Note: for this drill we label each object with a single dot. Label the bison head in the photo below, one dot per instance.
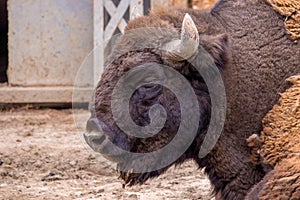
(152, 106)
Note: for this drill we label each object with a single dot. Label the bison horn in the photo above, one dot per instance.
(187, 46)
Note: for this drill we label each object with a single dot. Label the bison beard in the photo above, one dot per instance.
(254, 68)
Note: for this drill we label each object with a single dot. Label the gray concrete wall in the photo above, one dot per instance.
(48, 41)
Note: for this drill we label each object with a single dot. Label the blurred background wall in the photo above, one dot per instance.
(44, 42)
(48, 39)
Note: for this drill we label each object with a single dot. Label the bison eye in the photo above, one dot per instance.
(150, 91)
(141, 101)
(149, 85)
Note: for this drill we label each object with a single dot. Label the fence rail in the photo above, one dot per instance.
(111, 16)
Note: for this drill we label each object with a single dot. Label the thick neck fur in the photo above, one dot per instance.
(252, 86)
(260, 48)
(228, 166)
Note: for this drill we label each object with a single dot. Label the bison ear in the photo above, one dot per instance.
(218, 47)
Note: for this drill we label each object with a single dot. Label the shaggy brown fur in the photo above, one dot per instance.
(280, 148)
(263, 56)
(203, 4)
(283, 182)
(291, 10)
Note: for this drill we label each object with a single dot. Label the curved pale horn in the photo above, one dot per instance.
(188, 44)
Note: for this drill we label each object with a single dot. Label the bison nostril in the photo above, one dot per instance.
(101, 144)
(94, 140)
(98, 140)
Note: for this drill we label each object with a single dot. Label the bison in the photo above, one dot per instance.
(278, 147)
(246, 42)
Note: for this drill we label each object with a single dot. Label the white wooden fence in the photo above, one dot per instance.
(104, 30)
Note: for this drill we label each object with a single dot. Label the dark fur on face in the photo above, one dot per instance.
(146, 96)
(263, 56)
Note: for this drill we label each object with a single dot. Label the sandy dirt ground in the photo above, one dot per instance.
(42, 156)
